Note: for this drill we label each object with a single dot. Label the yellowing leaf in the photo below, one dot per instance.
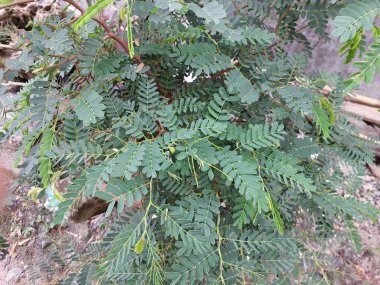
(57, 194)
(38, 70)
(122, 13)
(329, 109)
(45, 165)
(172, 149)
(139, 246)
(33, 192)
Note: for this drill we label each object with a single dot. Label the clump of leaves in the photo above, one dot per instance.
(195, 109)
(352, 23)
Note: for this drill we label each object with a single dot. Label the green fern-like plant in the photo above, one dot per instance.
(350, 26)
(203, 136)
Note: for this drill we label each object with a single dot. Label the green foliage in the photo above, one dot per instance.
(368, 66)
(356, 15)
(354, 235)
(203, 122)
(45, 168)
(285, 168)
(260, 136)
(123, 242)
(243, 172)
(74, 193)
(298, 99)
(127, 163)
(122, 193)
(237, 83)
(92, 11)
(322, 121)
(148, 97)
(210, 12)
(351, 24)
(89, 107)
(3, 247)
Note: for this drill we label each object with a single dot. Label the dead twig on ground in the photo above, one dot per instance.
(363, 100)
(12, 83)
(10, 47)
(354, 97)
(16, 3)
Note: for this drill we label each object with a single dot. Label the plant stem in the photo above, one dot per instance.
(220, 238)
(122, 42)
(282, 17)
(62, 62)
(11, 83)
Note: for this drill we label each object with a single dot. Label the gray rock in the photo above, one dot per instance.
(14, 274)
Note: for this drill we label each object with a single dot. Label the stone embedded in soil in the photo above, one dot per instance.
(14, 274)
(7, 173)
(375, 169)
(6, 178)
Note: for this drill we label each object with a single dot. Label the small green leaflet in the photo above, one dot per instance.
(211, 11)
(44, 161)
(121, 193)
(172, 5)
(321, 121)
(299, 99)
(127, 162)
(354, 234)
(273, 207)
(262, 135)
(89, 107)
(154, 159)
(24, 61)
(243, 172)
(284, 168)
(92, 11)
(139, 246)
(237, 83)
(368, 65)
(356, 15)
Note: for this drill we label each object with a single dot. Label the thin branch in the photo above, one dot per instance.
(72, 21)
(220, 73)
(11, 47)
(303, 27)
(12, 83)
(16, 3)
(161, 129)
(122, 42)
(280, 41)
(76, 5)
(282, 17)
(70, 58)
